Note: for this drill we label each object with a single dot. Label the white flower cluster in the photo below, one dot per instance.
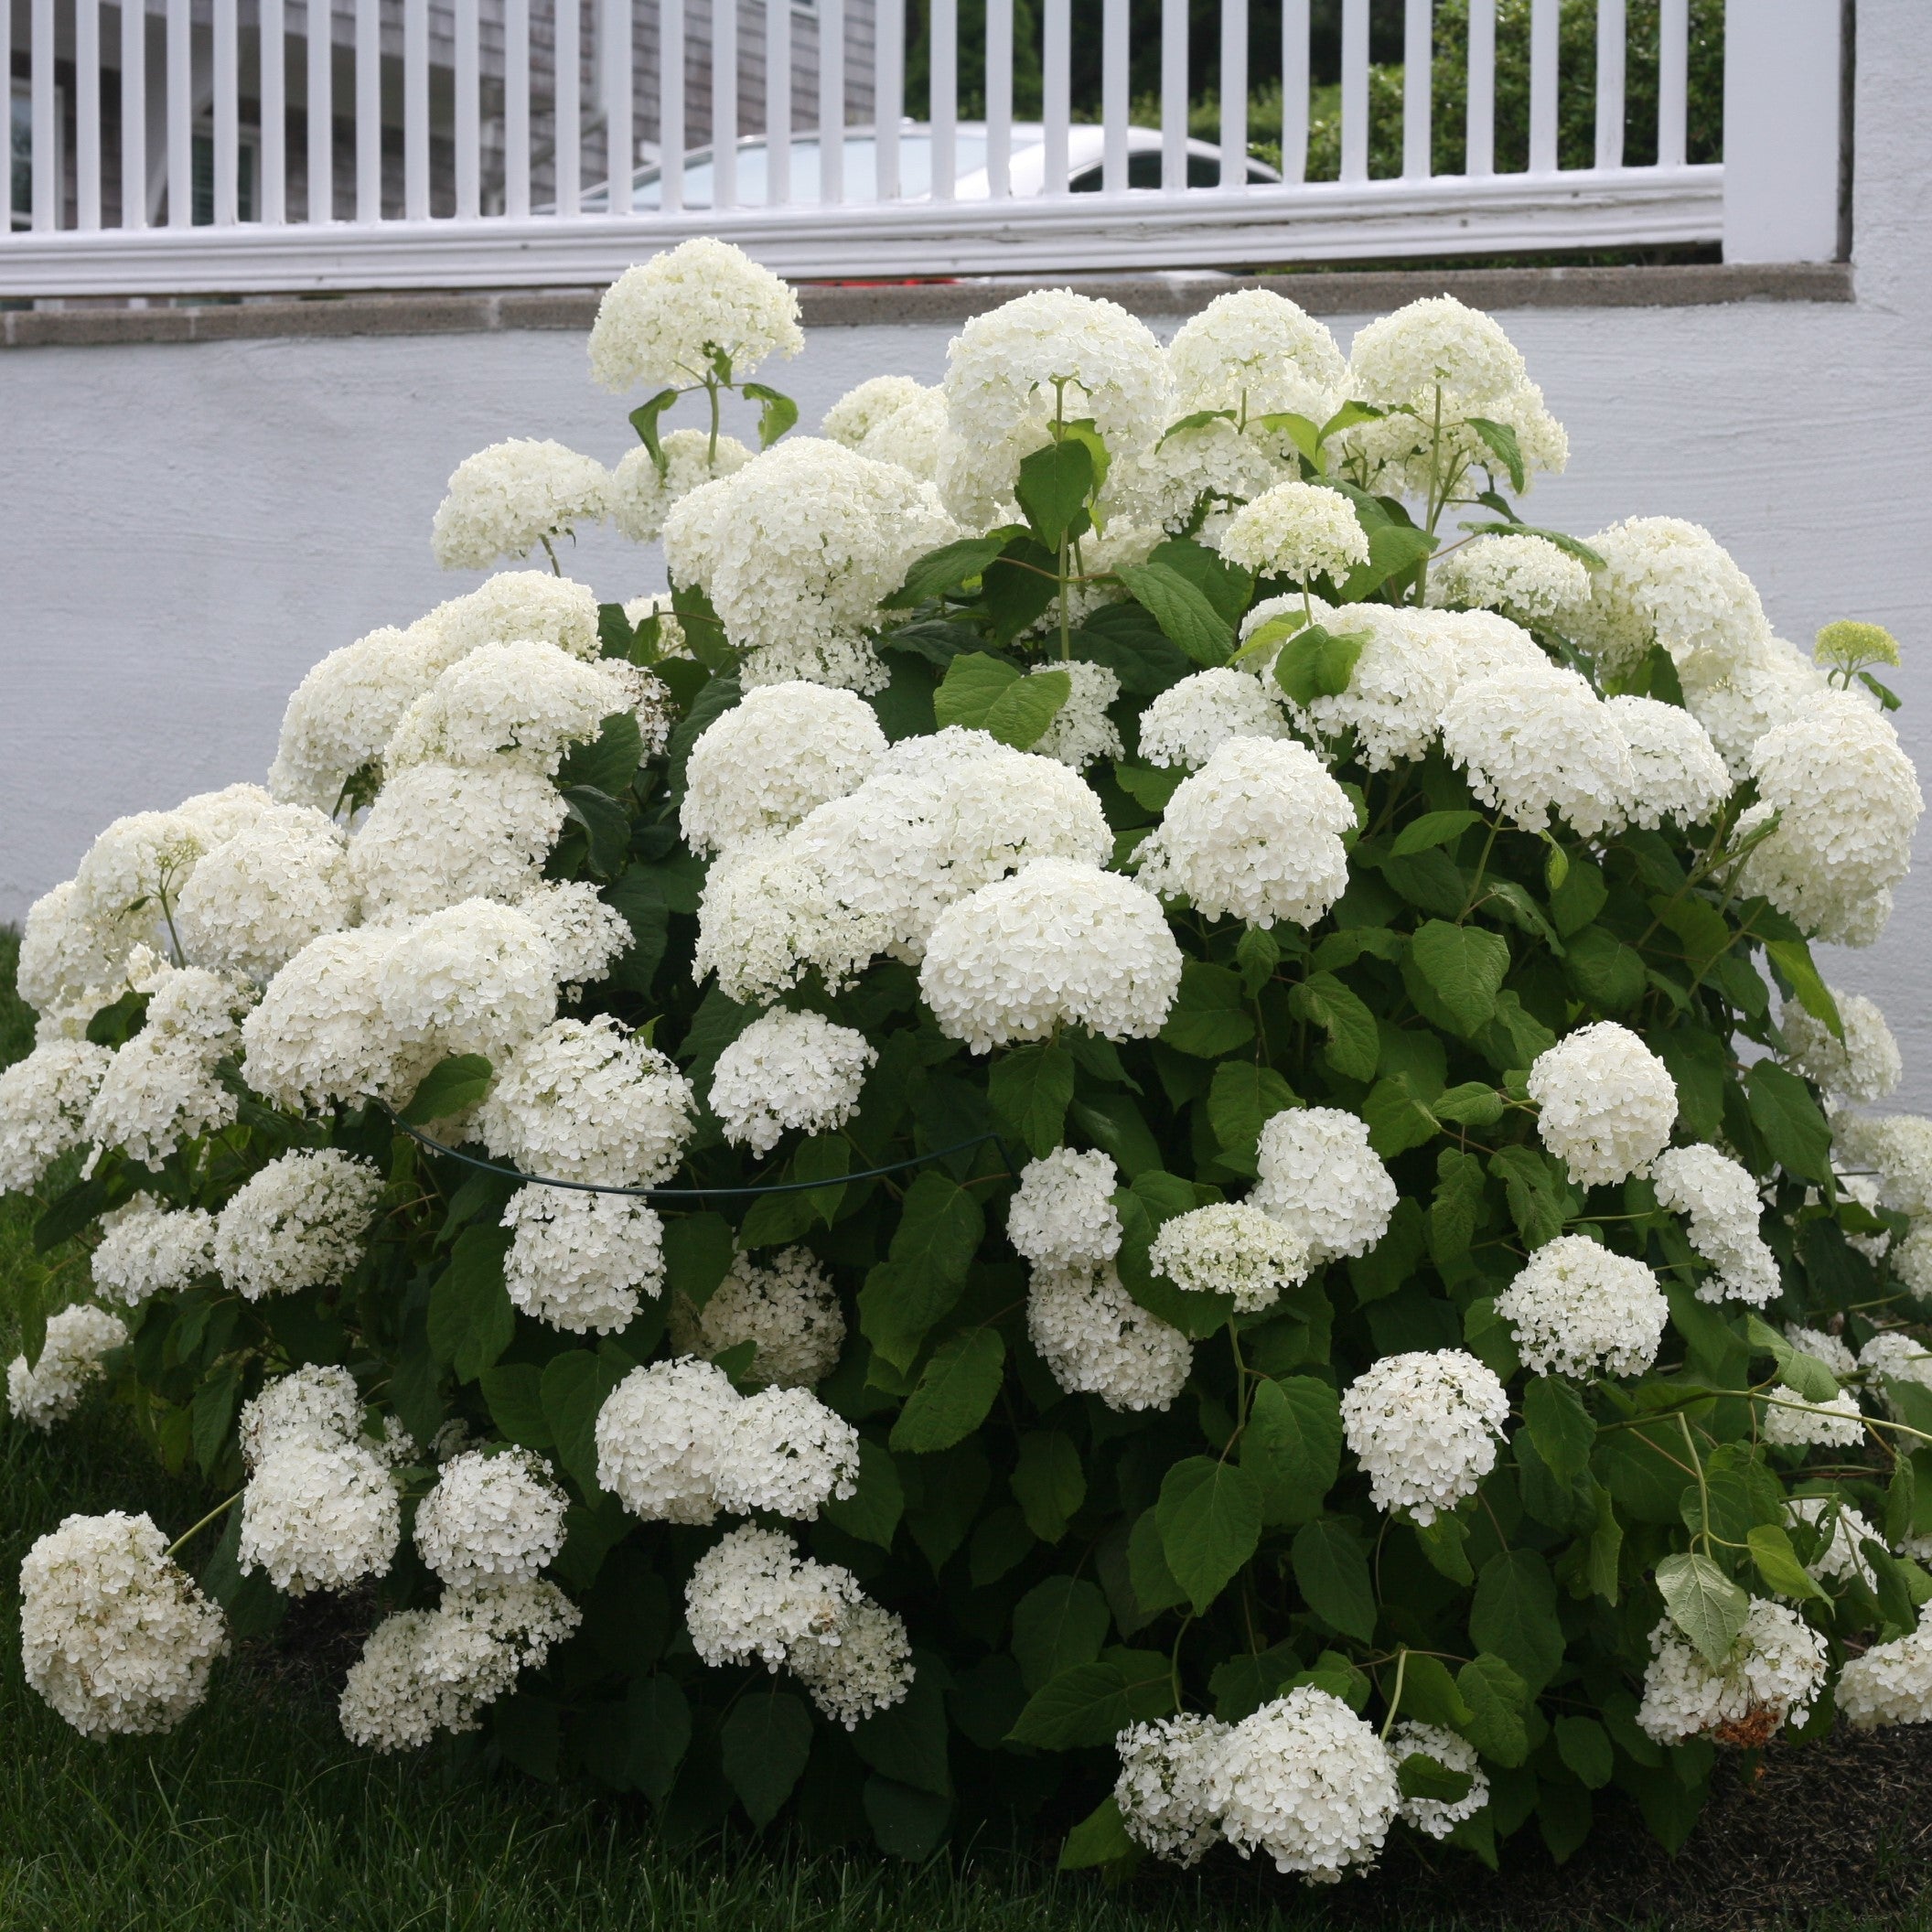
(1256, 833)
(1258, 354)
(1097, 1341)
(751, 1595)
(1161, 1790)
(1890, 1683)
(113, 1633)
(319, 1405)
(1424, 1427)
(1081, 730)
(492, 1519)
(1536, 742)
(676, 1442)
(1438, 1817)
(1607, 1102)
(1865, 1065)
(861, 410)
(1196, 478)
(1738, 700)
(1297, 531)
(301, 1222)
(787, 1308)
(1189, 722)
(1775, 1671)
(440, 834)
(1899, 1147)
(1062, 1212)
(257, 899)
(582, 1260)
(1676, 770)
(44, 1102)
(1721, 1201)
(1893, 1356)
(505, 499)
(1321, 1179)
(1843, 1554)
(145, 1249)
(70, 1361)
(1530, 579)
(1838, 1423)
(1670, 582)
(789, 1070)
(1574, 1308)
(1230, 1249)
(1396, 694)
(320, 1514)
(659, 323)
(642, 498)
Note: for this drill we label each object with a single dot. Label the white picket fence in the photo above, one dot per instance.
(168, 146)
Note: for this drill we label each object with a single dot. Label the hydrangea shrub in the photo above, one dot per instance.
(1131, 1118)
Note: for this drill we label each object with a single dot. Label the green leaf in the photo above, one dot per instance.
(1018, 586)
(1498, 1699)
(471, 1320)
(1153, 1582)
(766, 1741)
(515, 1392)
(1804, 1375)
(1396, 1118)
(576, 1384)
(1500, 440)
(214, 1410)
(1443, 1542)
(1433, 828)
(1099, 1838)
(644, 420)
(698, 1253)
(1091, 1704)
(1793, 960)
(1474, 1103)
(1053, 488)
(953, 1394)
(1514, 1615)
(1794, 1130)
(1032, 1087)
(605, 824)
(1421, 1775)
(1227, 587)
(1354, 1038)
(1394, 550)
(1584, 1745)
(1210, 1521)
(1429, 1694)
(907, 1823)
(1603, 971)
(1181, 609)
(1777, 1563)
(1453, 973)
(1703, 1603)
(609, 761)
(986, 694)
(1292, 1446)
(1558, 1425)
(452, 1086)
(1056, 1626)
(1317, 663)
(1048, 1483)
(777, 415)
(1537, 1199)
(1209, 1016)
(872, 1512)
(1331, 1567)
(1241, 1100)
(657, 1719)
(950, 567)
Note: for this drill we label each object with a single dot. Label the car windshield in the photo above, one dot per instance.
(860, 170)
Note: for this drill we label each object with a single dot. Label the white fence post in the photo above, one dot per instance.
(1781, 134)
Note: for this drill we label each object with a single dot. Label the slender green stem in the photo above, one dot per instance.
(711, 454)
(219, 1510)
(556, 569)
(1482, 866)
(1395, 1702)
(1703, 1487)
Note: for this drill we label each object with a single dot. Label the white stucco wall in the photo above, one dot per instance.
(186, 529)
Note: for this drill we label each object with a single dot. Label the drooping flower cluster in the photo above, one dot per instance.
(1424, 1427)
(44, 1103)
(505, 499)
(300, 1222)
(68, 1363)
(1321, 1179)
(1774, 1672)
(787, 1309)
(145, 1249)
(1890, 1683)
(1864, 1065)
(1722, 1202)
(582, 1260)
(660, 324)
(492, 1519)
(789, 1070)
(1576, 1308)
(1232, 1250)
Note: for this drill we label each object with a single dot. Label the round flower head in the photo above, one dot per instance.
(64, 959)
(1062, 1212)
(1230, 1249)
(1721, 1201)
(1438, 1817)
(70, 1361)
(1838, 1423)
(586, 935)
(522, 703)
(1895, 1356)
(317, 1034)
(258, 898)
(1899, 1147)
(1404, 356)
(1321, 1179)
(1398, 689)
(1775, 1670)
(1844, 1531)
(1081, 730)
(1538, 741)
(302, 1222)
(1912, 1263)
(1196, 478)
(1256, 833)
(789, 1070)
(1257, 353)
(440, 834)
(769, 914)
(1162, 1791)
(581, 1260)
(158, 1094)
(319, 1515)
(1675, 768)
(515, 606)
(505, 499)
(1574, 1308)
(1848, 803)
(1891, 1683)
(911, 436)
(1828, 1348)
(113, 1633)
(784, 1452)
(475, 977)
(135, 867)
(310, 1405)
(1608, 1102)
(782, 750)
(1737, 703)
(1096, 1340)
(661, 324)
(1865, 1065)
(1189, 722)
(1307, 1783)
(642, 498)
(44, 1103)
(787, 1308)
(585, 1100)
(491, 1518)
(1424, 1427)
(1527, 578)
(390, 1703)
(1297, 531)
(751, 1596)
(659, 1436)
(1057, 943)
(145, 1249)
(1485, 644)
(862, 1667)
(861, 410)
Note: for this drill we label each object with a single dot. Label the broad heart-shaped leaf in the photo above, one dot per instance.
(766, 1741)
(1032, 1087)
(1210, 1521)
(1433, 828)
(779, 413)
(1777, 1563)
(953, 1394)
(1225, 585)
(1048, 1483)
(1421, 1775)
(1453, 973)
(1182, 610)
(1429, 1693)
(1394, 550)
(657, 1719)
(1331, 1568)
(949, 567)
(1056, 1624)
(1053, 488)
(698, 1254)
(1703, 1603)
(1099, 1838)
(644, 420)
(1354, 1039)
(515, 1392)
(986, 694)
(1802, 1375)
(1091, 1704)
(1537, 1199)
(1497, 1699)
(940, 1226)
(1793, 960)
(1209, 1016)
(470, 1317)
(1317, 663)
(1558, 1425)
(609, 761)
(1514, 1615)
(1243, 1099)
(1584, 1745)
(1794, 1130)
(872, 1512)
(452, 1086)
(607, 827)
(1502, 444)
(1292, 1446)
(576, 1385)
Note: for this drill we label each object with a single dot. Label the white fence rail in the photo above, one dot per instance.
(171, 147)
